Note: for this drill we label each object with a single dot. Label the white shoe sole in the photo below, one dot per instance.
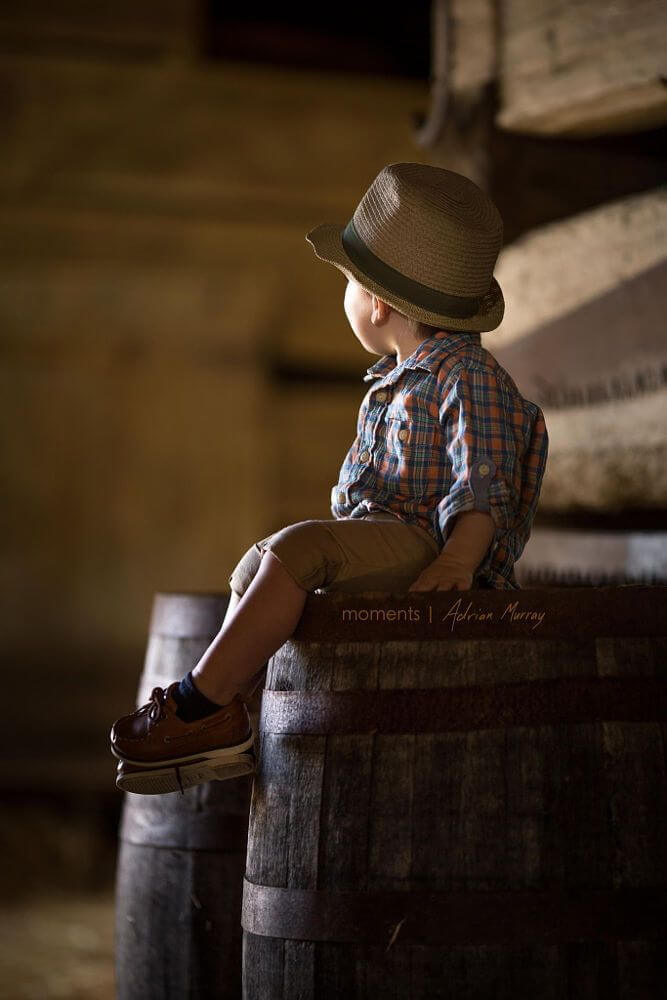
(219, 754)
(169, 778)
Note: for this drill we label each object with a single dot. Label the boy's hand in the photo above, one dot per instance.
(447, 572)
(454, 568)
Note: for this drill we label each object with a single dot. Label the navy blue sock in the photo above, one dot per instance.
(192, 704)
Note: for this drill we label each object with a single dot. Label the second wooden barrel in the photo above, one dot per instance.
(182, 856)
(463, 795)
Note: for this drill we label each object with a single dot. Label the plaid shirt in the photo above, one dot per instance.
(446, 431)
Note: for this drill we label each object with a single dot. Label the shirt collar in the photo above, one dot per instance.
(429, 355)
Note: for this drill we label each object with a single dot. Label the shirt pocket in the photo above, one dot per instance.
(413, 449)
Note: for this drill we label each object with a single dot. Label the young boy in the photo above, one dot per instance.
(438, 491)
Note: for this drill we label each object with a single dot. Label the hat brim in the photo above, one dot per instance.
(326, 241)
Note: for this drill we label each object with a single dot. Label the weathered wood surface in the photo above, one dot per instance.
(181, 857)
(600, 375)
(582, 68)
(586, 342)
(464, 50)
(609, 349)
(555, 269)
(578, 557)
(505, 859)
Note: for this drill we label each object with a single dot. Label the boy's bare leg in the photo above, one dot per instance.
(231, 606)
(251, 692)
(258, 624)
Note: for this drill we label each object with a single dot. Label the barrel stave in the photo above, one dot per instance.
(265, 961)
(640, 657)
(168, 659)
(285, 821)
(178, 926)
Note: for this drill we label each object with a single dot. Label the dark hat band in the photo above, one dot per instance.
(406, 288)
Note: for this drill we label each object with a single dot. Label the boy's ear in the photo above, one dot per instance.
(380, 311)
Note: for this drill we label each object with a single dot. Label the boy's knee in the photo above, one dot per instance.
(245, 570)
(309, 551)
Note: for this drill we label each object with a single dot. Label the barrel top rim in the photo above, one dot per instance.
(523, 591)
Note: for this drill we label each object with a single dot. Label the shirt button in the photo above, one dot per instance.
(403, 435)
(364, 456)
(381, 396)
(483, 470)
(341, 498)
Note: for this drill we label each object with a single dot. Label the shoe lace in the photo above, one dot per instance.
(155, 705)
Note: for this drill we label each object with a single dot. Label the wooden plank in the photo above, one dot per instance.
(568, 349)
(345, 805)
(588, 557)
(190, 897)
(269, 817)
(437, 853)
(459, 127)
(387, 973)
(583, 69)
(628, 475)
(555, 269)
(262, 967)
(298, 969)
(391, 818)
(459, 662)
(288, 788)
(484, 971)
(473, 45)
(339, 971)
(585, 357)
(635, 769)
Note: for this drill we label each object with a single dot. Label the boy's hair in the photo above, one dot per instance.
(418, 329)
(422, 330)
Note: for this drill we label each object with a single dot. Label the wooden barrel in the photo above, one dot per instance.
(462, 795)
(182, 856)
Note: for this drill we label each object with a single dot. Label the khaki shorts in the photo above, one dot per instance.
(374, 552)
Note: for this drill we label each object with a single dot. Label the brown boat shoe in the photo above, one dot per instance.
(159, 752)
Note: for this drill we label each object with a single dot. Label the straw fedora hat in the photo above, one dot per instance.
(425, 240)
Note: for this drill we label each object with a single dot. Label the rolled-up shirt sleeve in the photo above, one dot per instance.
(480, 418)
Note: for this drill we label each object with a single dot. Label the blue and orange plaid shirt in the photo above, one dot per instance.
(447, 431)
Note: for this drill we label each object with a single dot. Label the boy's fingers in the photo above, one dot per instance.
(423, 585)
(430, 580)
